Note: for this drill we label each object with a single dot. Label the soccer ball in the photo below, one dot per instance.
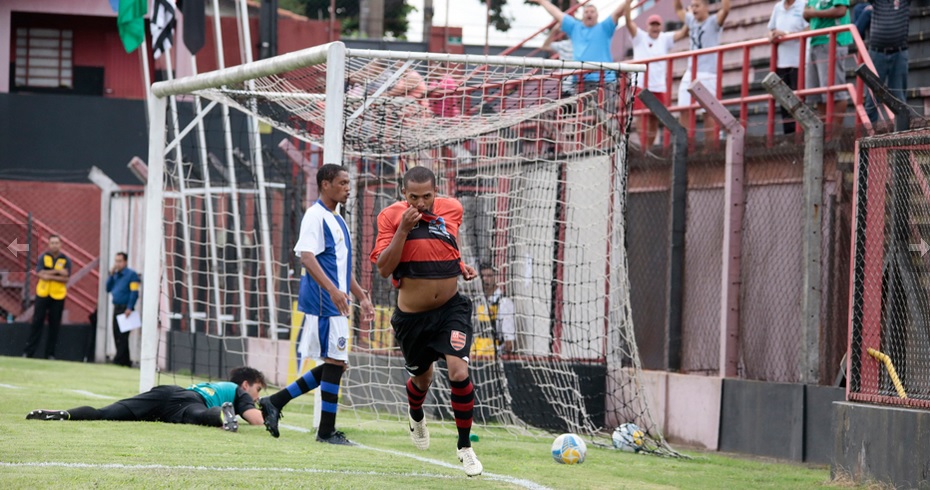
(569, 449)
(629, 437)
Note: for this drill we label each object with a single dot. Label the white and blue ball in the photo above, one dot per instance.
(629, 437)
(569, 449)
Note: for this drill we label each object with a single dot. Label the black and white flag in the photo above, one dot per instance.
(162, 26)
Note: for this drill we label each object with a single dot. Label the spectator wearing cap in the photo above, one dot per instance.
(652, 43)
(787, 18)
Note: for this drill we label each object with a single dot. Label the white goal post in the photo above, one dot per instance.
(534, 148)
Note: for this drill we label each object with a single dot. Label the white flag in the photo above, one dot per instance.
(163, 22)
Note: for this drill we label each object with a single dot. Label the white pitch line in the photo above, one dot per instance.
(9, 387)
(119, 466)
(92, 395)
(531, 485)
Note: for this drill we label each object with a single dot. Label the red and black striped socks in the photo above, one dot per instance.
(463, 407)
(415, 398)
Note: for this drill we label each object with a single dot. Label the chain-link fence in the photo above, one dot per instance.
(770, 264)
(29, 216)
(890, 328)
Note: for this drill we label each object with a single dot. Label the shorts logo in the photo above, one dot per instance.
(457, 339)
(341, 343)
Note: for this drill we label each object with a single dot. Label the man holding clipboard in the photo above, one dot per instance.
(123, 284)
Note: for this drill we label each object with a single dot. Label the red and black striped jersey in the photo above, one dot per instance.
(431, 250)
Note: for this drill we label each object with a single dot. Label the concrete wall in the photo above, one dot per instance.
(881, 443)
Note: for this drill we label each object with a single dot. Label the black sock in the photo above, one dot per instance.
(85, 413)
(308, 382)
(415, 397)
(329, 393)
(463, 407)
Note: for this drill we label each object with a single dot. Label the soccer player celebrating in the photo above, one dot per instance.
(417, 245)
(325, 251)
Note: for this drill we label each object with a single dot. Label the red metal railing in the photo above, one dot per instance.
(744, 100)
(80, 258)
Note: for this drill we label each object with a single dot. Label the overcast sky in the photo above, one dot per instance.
(470, 16)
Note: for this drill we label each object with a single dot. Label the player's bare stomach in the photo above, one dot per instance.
(417, 295)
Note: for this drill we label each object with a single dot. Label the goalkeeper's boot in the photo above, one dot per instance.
(336, 437)
(271, 414)
(470, 461)
(419, 434)
(228, 414)
(48, 415)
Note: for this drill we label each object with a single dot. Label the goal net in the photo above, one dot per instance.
(534, 149)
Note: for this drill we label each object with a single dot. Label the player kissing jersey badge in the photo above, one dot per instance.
(457, 339)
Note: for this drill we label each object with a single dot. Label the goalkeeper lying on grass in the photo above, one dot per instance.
(212, 404)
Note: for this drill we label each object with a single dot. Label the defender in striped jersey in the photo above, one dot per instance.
(325, 251)
(417, 245)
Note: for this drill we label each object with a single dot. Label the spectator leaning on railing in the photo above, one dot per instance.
(823, 14)
(888, 32)
(787, 18)
(704, 30)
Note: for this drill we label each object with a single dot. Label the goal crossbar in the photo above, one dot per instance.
(319, 54)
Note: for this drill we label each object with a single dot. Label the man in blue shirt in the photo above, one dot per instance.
(325, 251)
(214, 404)
(123, 284)
(590, 38)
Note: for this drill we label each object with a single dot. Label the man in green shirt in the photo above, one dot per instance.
(213, 404)
(822, 14)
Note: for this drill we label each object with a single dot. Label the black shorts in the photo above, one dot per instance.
(426, 336)
(164, 403)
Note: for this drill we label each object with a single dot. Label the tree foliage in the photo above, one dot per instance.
(347, 11)
(502, 22)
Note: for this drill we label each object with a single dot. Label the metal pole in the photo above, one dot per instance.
(264, 214)
(487, 25)
(427, 21)
(809, 363)
(902, 111)
(182, 186)
(154, 238)
(677, 226)
(734, 204)
(107, 188)
(26, 290)
(222, 316)
(332, 20)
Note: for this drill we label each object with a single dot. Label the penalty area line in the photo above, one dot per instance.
(520, 482)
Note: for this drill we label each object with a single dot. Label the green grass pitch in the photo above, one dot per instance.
(61, 454)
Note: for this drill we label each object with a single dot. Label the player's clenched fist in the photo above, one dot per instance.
(409, 219)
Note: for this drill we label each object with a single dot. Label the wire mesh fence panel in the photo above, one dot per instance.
(700, 331)
(889, 340)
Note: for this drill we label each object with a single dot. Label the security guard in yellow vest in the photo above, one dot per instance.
(53, 270)
(497, 310)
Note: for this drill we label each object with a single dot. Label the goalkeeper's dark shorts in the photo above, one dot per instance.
(426, 336)
(165, 403)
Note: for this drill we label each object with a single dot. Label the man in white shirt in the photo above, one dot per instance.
(787, 18)
(652, 43)
(704, 30)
